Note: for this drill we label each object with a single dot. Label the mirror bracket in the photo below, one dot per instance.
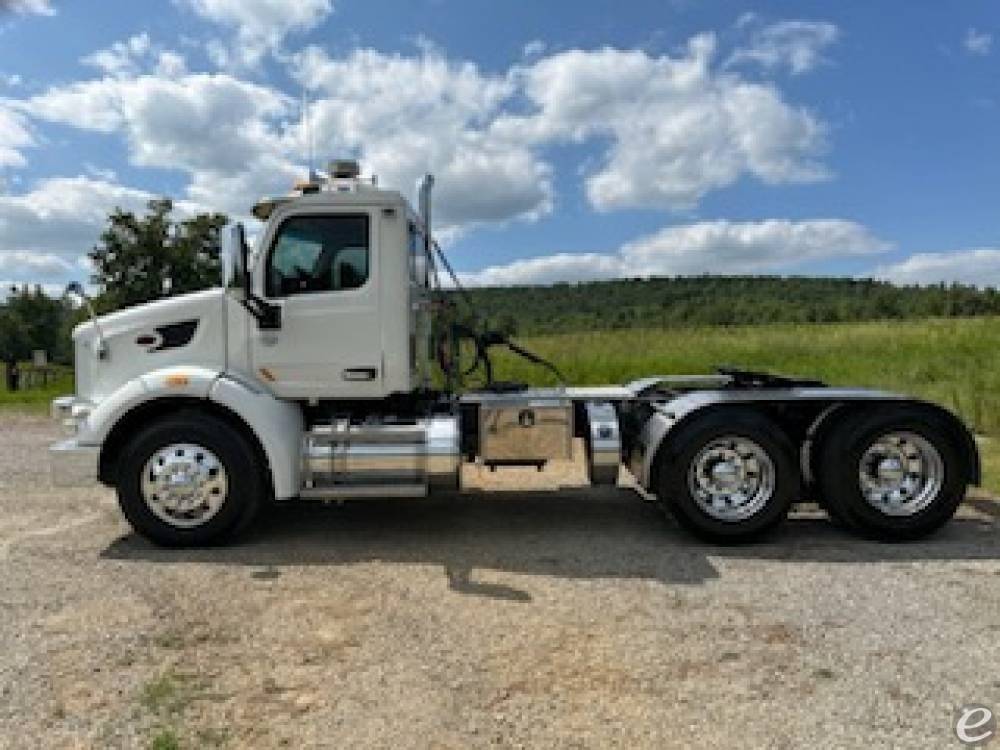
(268, 316)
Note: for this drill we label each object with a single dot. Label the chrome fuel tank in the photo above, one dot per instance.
(423, 453)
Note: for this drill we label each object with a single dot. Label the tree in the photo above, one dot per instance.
(140, 259)
(31, 320)
(14, 346)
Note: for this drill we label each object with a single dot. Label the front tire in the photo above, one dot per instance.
(189, 479)
(893, 474)
(729, 476)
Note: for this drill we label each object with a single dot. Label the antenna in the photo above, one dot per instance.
(307, 131)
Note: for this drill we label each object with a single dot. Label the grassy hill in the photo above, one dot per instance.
(721, 300)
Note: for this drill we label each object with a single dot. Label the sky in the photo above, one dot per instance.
(570, 140)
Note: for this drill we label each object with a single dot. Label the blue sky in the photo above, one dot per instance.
(571, 140)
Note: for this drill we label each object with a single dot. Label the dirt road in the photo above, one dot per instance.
(579, 619)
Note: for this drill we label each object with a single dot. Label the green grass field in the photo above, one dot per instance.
(953, 362)
(35, 399)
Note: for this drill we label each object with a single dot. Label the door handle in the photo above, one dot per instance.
(359, 373)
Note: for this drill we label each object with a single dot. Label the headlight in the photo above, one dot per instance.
(62, 407)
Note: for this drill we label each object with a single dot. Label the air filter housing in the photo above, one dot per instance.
(344, 169)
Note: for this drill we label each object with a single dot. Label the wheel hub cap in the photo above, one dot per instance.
(732, 478)
(184, 484)
(891, 470)
(726, 474)
(901, 473)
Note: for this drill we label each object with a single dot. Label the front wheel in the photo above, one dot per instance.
(188, 480)
(893, 474)
(730, 476)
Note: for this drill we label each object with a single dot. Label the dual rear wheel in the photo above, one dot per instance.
(892, 473)
(896, 473)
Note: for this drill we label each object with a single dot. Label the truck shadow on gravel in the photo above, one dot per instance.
(571, 534)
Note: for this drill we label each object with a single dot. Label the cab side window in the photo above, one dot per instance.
(319, 254)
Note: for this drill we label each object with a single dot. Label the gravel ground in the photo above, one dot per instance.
(521, 619)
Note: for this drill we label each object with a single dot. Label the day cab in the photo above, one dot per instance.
(322, 367)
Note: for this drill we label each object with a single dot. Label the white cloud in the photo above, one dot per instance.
(408, 115)
(679, 129)
(235, 191)
(261, 25)
(44, 231)
(796, 45)
(33, 264)
(11, 80)
(979, 267)
(219, 54)
(195, 121)
(87, 105)
(121, 58)
(170, 64)
(978, 42)
(747, 247)
(37, 7)
(14, 137)
(534, 48)
(547, 269)
(707, 247)
(137, 54)
(217, 128)
(103, 174)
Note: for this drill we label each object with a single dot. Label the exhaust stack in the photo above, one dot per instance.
(424, 198)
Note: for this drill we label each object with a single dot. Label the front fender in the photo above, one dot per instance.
(277, 425)
(169, 382)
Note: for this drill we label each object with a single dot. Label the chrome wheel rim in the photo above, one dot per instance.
(184, 484)
(732, 478)
(901, 473)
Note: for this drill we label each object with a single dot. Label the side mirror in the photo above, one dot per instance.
(233, 249)
(236, 275)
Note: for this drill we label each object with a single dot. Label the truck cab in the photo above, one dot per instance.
(343, 273)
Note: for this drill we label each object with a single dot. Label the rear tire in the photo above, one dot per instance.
(893, 474)
(729, 476)
(189, 479)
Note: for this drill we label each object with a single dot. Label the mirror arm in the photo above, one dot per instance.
(76, 289)
(268, 316)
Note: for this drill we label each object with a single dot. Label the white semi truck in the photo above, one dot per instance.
(328, 365)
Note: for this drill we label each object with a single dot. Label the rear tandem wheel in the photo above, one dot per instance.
(895, 473)
(729, 476)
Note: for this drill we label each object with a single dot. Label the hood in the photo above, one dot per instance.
(163, 310)
(188, 329)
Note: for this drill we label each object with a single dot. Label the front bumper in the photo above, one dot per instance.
(72, 464)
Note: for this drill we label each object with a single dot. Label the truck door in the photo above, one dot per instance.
(322, 270)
